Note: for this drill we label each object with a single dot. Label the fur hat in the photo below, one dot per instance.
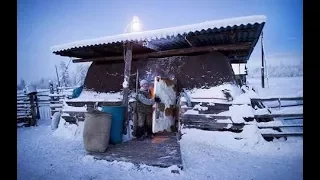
(143, 81)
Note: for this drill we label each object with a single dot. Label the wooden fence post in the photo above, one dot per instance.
(33, 121)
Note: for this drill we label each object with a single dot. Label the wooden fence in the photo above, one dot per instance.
(262, 103)
(39, 105)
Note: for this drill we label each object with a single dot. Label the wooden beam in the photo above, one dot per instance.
(281, 134)
(277, 115)
(276, 99)
(173, 52)
(202, 118)
(127, 72)
(280, 126)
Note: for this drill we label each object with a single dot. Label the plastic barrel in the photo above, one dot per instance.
(116, 131)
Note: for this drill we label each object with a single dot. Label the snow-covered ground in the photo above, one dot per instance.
(279, 87)
(44, 154)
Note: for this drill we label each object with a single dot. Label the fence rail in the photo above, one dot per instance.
(40, 105)
(295, 127)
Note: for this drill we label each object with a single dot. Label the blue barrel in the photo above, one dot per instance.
(116, 130)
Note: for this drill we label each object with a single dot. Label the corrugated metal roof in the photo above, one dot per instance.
(219, 32)
(164, 33)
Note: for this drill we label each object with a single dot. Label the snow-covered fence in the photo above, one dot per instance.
(23, 108)
(286, 120)
(44, 105)
(44, 102)
(39, 106)
(56, 100)
(279, 100)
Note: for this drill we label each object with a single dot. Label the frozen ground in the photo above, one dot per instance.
(43, 154)
(206, 155)
(283, 86)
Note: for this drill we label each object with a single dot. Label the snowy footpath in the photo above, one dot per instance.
(44, 154)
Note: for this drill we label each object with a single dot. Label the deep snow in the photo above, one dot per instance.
(46, 154)
(43, 154)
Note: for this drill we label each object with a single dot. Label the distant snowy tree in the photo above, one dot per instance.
(43, 83)
(21, 85)
(81, 73)
(73, 79)
(64, 74)
(278, 71)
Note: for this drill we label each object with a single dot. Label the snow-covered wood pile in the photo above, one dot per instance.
(212, 109)
(73, 109)
(276, 116)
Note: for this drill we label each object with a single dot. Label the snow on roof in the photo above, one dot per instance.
(162, 33)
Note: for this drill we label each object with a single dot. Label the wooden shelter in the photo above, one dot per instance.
(196, 55)
(233, 38)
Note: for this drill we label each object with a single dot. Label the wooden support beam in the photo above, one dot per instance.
(280, 126)
(276, 99)
(281, 134)
(214, 125)
(277, 115)
(173, 52)
(202, 118)
(127, 72)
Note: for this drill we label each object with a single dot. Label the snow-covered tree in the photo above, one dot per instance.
(279, 71)
(73, 79)
(81, 73)
(43, 83)
(21, 85)
(64, 74)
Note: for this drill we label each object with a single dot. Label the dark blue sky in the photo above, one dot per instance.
(42, 24)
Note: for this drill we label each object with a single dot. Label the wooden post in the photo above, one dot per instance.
(279, 103)
(57, 76)
(127, 72)
(262, 61)
(51, 89)
(33, 120)
(37, 106)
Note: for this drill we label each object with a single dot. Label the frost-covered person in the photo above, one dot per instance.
(144, 110)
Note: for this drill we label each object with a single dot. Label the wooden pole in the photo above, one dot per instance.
(137, 82)
(262, 61)
(127, 72)
(33, 121)
(37, 105)
(57, 76)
